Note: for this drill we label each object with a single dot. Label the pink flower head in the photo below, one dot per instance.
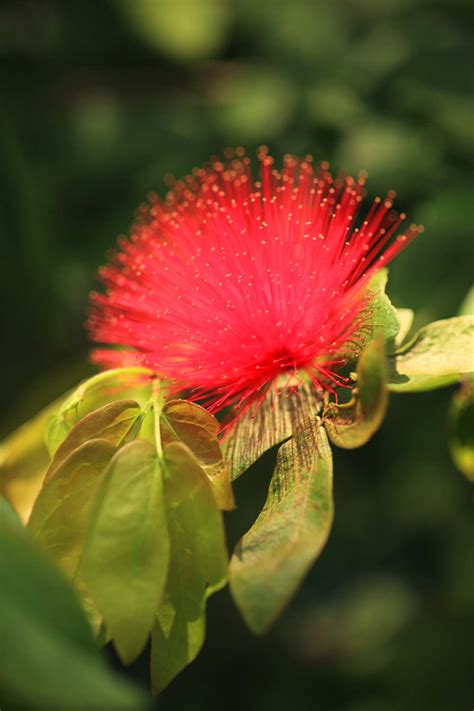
(232, 284)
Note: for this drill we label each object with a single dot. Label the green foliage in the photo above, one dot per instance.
(142, 553)
(124, 560)
(49, 658)
(183, 421)
(25, 454)
(436, 356)
(353, 424)
(382, 318)
(272, 558)
(115, 423)
(94, 393)
(24, 458)
(405, 316)
(198, 564)
(61, 513)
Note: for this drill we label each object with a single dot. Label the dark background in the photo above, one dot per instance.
(99, 101)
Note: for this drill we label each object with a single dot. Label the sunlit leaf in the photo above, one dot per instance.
(436, 356)
(353, 424)
(61, 512)
(405, 316)
(183, 421)
(461, 426)
(198, 565)
(24, 459)
(103, 388)
(125, 558)
(116, 422)
(273, 557)
(382, 317)
(49, 659)
(56, 432)
(24, 455)
(263, 426)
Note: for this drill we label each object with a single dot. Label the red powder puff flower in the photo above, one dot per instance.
(230, 282)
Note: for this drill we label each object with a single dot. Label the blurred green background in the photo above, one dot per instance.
(99, 101)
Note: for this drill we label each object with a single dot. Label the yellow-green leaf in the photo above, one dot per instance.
(273, 557)
(61, 512)
(101, 389)
(183, 421)
(25, 454)
(116, 422)
(405, 316)
(198, 564)
(125, 558)
(24, 459)
(263, 426)
(382, 317)
(436, 356)
(351, 425)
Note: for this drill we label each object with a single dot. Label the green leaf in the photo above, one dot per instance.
(183, 421)
(56, 432)
(382, 316)
(25, 454)
(273, 557)
(198, 565)
(261, 427)
(352, 425)
(24, 459)
(116, 423)
(125, 558)
(436, 356)
(49, 659)
(405, 316)
(461, 427)
(61, 512)
(101, 389)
